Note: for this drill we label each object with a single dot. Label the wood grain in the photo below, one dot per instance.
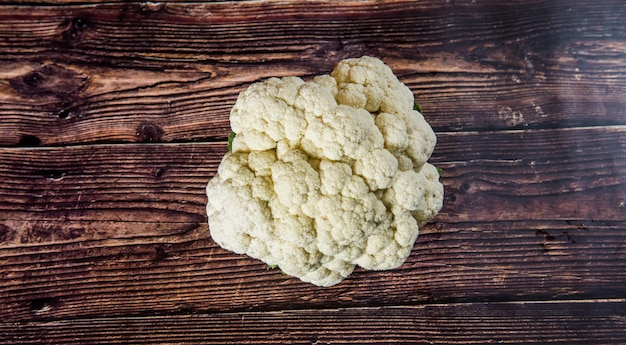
(120, 230)
(494, 66)
(188, 273)
(113, 117)
(474, 323)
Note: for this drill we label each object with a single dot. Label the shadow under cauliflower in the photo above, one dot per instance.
(326, 175)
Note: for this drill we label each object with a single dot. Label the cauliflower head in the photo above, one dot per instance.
(327, 174)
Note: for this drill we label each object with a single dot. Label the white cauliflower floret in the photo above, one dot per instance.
(274, 98)
(326, 175)
(378, 168)
(370, 84)
(341, 133)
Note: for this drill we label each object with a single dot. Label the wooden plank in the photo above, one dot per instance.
(566, 322)
(539, 175)
(82, 182)
(188, 273)
(148, 72)
(120, 230)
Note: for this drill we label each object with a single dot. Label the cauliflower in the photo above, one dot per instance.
(327, 174)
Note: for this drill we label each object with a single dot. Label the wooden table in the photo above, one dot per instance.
(113, 117)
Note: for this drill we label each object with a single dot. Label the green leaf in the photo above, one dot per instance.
(439, 170)
(231, 136)
(417, 107)
(272, 267)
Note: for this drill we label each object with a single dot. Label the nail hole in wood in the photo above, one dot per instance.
(42, 305)
(28, 140)
(64, 114)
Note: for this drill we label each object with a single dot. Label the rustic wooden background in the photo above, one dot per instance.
(113, 117)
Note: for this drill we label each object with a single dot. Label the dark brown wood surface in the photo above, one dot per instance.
(114, 116)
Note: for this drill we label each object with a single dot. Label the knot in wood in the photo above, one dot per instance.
(149, 132)
(50, 80)
(73, 29)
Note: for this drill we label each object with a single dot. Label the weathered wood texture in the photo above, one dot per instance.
(135, 72)
(113, 117)
(496, 323)
(93, 213)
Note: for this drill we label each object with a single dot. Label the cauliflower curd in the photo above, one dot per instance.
(327, 174)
